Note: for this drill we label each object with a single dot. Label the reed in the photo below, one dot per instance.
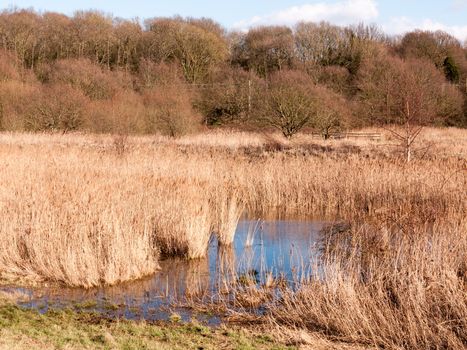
(63, 221)
(252, 231)
(87, 210)
(228, 207)
(383, 288)
(183, 220)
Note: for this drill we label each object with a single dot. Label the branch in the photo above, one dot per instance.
(399, 136)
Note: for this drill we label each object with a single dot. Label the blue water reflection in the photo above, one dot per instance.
(283, 249)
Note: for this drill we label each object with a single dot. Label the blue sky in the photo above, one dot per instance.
(394, 16)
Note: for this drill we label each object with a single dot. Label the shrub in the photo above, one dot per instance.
(331, 111)
(57, 107)
(151, 74)
(13, 95)
(230, 98)
(8, 70)
(169, 111)
(124, 113)
(85, 76)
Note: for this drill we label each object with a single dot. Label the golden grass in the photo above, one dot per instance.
(386, 289)
(87, 209)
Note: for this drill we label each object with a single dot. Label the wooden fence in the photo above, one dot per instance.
(350, 135)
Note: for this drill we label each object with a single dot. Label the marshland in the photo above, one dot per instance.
(83, 213)
(172, 184)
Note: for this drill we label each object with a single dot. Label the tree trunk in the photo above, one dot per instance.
(408, 150)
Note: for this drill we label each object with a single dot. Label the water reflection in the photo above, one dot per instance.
(261, 251)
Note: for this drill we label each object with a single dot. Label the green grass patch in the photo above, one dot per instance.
(27, 329)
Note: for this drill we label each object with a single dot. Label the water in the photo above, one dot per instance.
(279, 249)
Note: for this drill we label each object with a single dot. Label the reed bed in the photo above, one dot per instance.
(385, 289)
(229, 206)
(375, 285)
(88, 210)
(183, 222)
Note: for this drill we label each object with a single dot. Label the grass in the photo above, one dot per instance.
(84, 210)
(386, 288)
(25, 329)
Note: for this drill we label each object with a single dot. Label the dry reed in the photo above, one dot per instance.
(85, 210)
(228, 207)
(384, 288)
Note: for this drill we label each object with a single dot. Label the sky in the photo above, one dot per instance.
(393, 16)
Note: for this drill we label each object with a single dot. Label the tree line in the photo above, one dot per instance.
(95, 72)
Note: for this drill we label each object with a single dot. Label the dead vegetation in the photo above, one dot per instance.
(384, 288)
(86, 210)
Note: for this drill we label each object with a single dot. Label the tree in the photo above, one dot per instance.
(451, 70)
(196, 49)
(442, 49)
(289, 102)
(328, 45)
(321, 43)
(152, 74)
(331, 111)
(93, 35)
(423, 44)
(265, 50)
(128, 38)
(208, 25)
(56, 36)
(19, 33)
(407, 94)
(336, 78)
(8, 69)
(231, 97)
(376, 84)
(449, 106)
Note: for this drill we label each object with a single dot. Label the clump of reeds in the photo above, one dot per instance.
(183, 221)
(252, 231)
(66, 223)
(384, 288)
(227, 209)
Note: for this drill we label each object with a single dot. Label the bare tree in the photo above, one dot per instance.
(406, 94)
(128, 40)
(56, 36)
(196, 49)
(265, 50)
(331, 111)
(19, 31)
(95, 36)
(289, 103)
(321, 43)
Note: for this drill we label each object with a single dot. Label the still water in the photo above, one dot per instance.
(284, 249)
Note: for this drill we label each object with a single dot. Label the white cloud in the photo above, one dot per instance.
(345, 12)
(342, 13)
(401, 25)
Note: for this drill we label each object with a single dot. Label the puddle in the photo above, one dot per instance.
(282, 249)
